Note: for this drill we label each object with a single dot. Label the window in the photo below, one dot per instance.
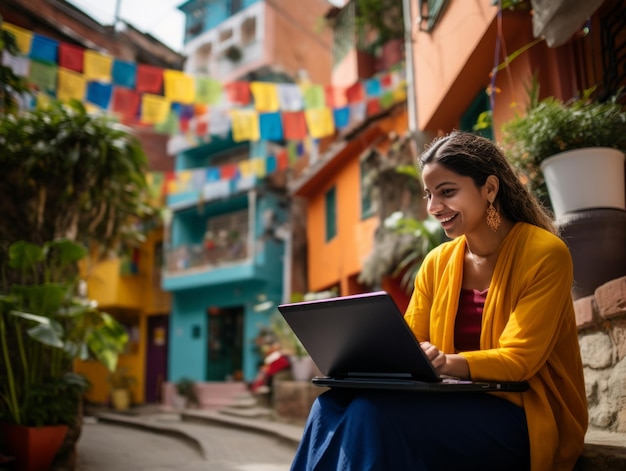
(331, 214)
(429, 12)
(367, 209)
(478, 107)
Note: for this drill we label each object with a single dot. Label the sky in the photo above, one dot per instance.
(161, 18)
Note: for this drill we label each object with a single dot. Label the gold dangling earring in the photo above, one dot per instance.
(493, 217)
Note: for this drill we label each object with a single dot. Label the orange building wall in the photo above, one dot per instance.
(340, 260)
(335, 261)
(453, 64)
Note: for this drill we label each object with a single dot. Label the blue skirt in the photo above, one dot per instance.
(361, 430)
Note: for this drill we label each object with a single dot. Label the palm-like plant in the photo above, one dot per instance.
(68, 173)
(44, 326)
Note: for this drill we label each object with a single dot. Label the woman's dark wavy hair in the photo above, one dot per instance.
(473, 156)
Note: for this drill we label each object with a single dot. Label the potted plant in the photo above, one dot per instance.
(574, 150)
(186, 391)
(44, 326)
(121, 384)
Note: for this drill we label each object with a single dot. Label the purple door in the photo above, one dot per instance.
(156, 357)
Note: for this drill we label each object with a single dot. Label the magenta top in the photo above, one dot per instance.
(468, 320)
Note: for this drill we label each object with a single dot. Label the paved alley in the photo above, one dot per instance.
(112, 447)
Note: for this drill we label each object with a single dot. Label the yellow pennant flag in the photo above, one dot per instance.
(265, 96)
(245, 125)
(258, 167)
(71, 85)
(320, 122)
(179, 87)
(97, 67)
(183, 178)
(154, 109)
(23, 37)
(245, 168)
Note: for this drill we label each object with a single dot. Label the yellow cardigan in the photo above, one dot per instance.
(528, 333)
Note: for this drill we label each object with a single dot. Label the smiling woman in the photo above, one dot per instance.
(491, 304)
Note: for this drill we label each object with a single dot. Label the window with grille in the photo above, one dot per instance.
(331, 214)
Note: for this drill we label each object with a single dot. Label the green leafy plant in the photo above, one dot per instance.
(75, 175)
(550, 126)
(185, 388)
(426, 235)
(44, 326)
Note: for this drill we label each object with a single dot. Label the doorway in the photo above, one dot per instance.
(225, 343)
(156, 358)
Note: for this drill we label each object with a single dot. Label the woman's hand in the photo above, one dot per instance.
(446, 364)
(436, 356)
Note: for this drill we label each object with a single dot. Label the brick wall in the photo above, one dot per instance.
(601, 320)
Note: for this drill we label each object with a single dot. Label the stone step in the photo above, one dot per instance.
(247, 413)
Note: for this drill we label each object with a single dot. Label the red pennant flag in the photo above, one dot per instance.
(355, 93)
(294, 125)
(228, 171)
(125, 102)
(385, 81)
(282, 159)
(238, 93)
(149, 79)
(335, 97)
(71, 57)
(373, 106)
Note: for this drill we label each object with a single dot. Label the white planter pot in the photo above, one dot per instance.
(301, 368)
(585, 178)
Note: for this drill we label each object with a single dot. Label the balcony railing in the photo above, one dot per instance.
(226, 241)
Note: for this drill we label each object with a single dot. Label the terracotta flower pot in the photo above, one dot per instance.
(34, 448)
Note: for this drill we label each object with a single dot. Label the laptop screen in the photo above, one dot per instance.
(363, 335)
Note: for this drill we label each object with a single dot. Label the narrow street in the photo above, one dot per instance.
(109, 447)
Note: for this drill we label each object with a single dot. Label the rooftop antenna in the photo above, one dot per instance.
(116, 19)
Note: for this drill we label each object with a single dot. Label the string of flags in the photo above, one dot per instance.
(193, 108)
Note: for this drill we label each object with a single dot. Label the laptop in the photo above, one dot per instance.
(363, 341)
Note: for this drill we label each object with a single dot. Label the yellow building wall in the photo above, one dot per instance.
(130, 299)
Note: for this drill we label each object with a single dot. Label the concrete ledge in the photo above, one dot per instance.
(153, 425)
(604, 451)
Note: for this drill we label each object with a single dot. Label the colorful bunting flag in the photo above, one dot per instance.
(208, 91)
(294, 125)
(179, 87)
(71, 86)
(290, 97)
(97, 66)
(314, 97)
(149, 79)
(319, 122)
(265, 96)
(23, 37)
(71, 57)
(43, 75)
(99, 94)
(43, 49)
(245, 125)
(124, 73)
(154, 109)
(271, 126)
